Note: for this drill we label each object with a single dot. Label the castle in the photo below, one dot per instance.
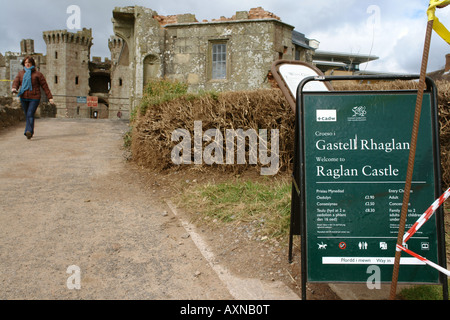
(226, 54)
(72, 75)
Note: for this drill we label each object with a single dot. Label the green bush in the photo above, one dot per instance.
(159, 91)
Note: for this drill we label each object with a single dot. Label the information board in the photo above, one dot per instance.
(355, 156)
(92, 101)
(288, 75)
(293, 74)
(81, 99)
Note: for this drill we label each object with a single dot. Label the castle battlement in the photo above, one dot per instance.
(115, 42)
(83, 37)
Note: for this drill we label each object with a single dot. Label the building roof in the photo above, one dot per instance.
(342, 57)
(300, 40)
(327, 60)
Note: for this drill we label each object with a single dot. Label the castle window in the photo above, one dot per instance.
(219, 61)
(76, 80)
(120, 82)
(56, 54)
(56, 79)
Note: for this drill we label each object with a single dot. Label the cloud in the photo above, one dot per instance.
(397, 37)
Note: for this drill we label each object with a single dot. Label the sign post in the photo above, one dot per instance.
(288, 75)
(349, 176)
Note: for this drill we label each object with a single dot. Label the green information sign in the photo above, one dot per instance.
(355, 160)
(350, 166)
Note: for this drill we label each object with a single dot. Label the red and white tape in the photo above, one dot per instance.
(430, 263)
(419, 223)
(426, 215)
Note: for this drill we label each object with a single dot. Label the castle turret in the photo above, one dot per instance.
(120, 78)
(27, 47)
(67, 69)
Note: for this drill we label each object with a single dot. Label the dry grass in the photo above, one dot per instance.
(260, 109)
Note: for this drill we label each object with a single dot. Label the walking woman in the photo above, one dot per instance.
(30, 82)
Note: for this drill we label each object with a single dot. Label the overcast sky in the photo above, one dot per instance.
(393, 30)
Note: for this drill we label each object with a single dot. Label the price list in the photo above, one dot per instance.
(334, 216)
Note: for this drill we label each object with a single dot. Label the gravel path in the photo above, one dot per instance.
(68, 198)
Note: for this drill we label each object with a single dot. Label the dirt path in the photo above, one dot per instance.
(71, 202)
(68, 198)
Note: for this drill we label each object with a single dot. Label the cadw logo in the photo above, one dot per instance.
(328, 115)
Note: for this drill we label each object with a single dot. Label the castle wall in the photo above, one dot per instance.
(226, 54)
(11, 64)
(251, 47)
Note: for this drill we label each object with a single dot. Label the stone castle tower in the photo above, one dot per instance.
(120, 70)
(67, 69)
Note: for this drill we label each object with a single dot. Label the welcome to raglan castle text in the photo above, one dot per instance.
(326, 142)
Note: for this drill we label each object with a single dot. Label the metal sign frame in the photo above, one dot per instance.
(298, 224)
(287, 85)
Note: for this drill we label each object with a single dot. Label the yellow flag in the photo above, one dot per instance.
(437, 25)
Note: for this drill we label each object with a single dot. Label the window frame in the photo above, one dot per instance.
(212, 72)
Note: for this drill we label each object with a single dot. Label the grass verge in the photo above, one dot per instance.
(264, 205)
(422, 292)
(430, 292)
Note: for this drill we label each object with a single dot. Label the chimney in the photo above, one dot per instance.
(447, 62)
